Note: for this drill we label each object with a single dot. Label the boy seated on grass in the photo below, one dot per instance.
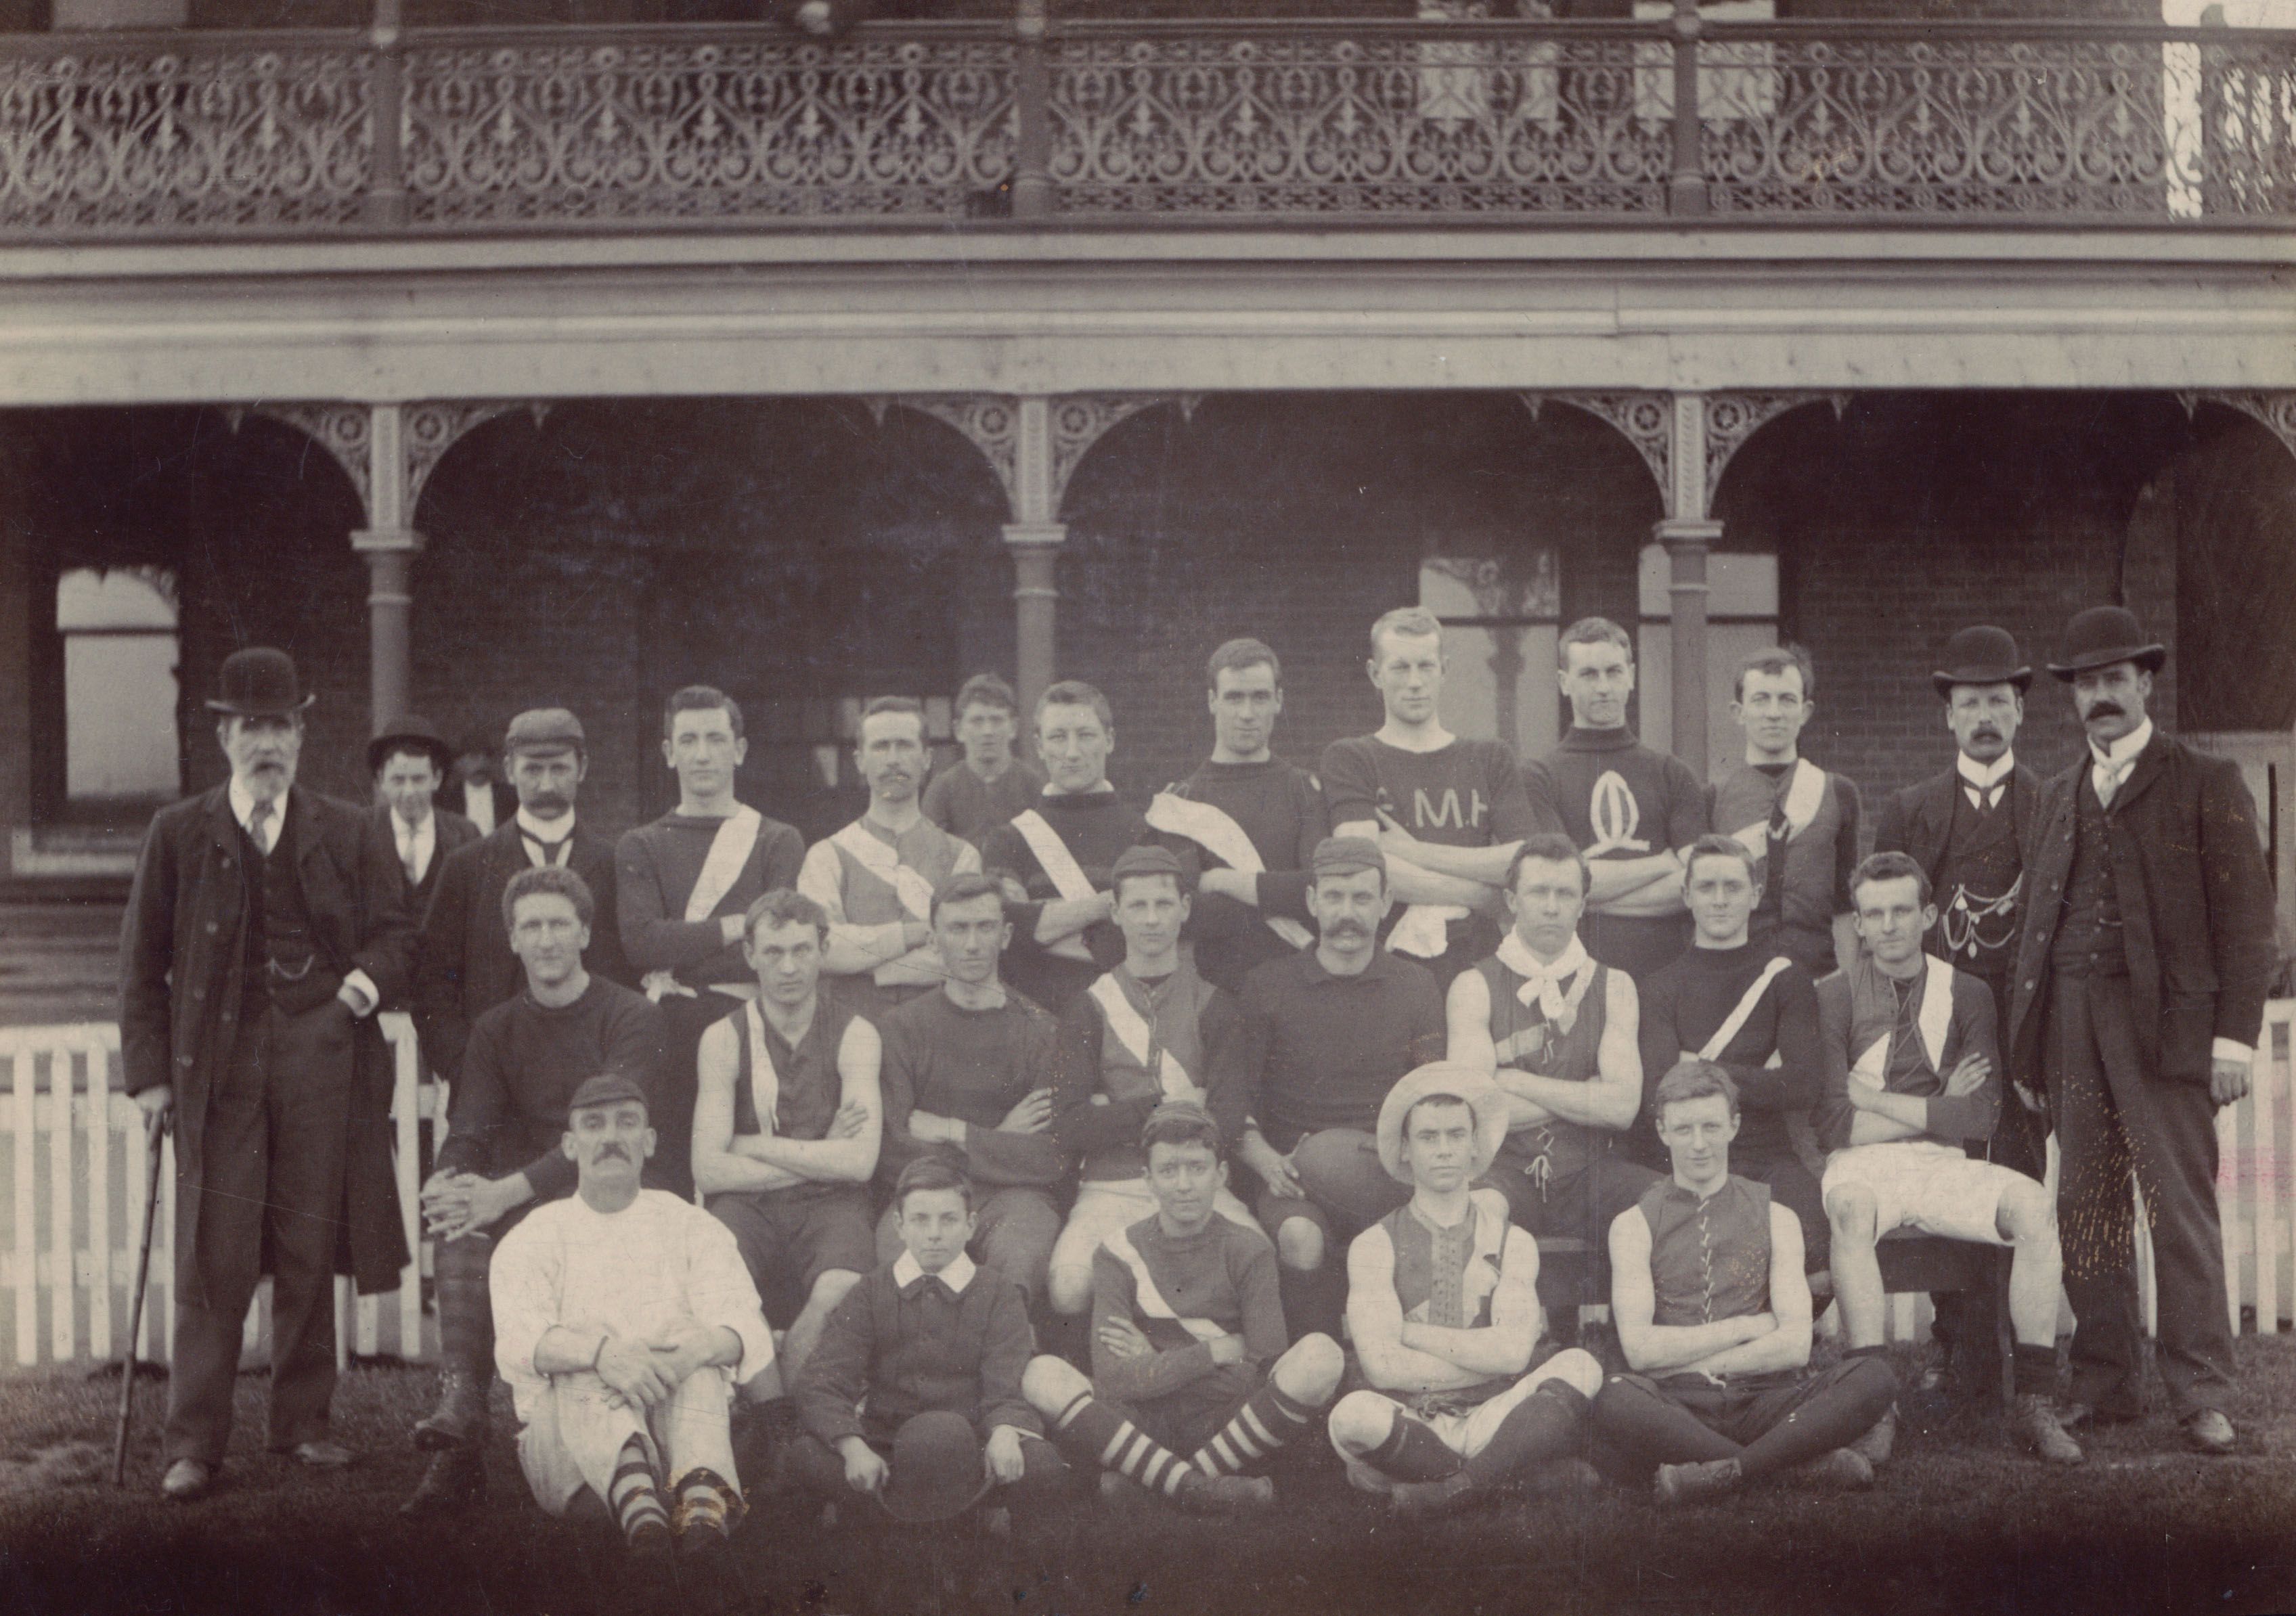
(921, 1362)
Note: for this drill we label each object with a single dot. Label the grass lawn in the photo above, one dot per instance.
(1959, 1524)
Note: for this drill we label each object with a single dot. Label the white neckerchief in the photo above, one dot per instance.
(1984, 782)
(415, 843)
(957, 1276)
(242, 809)
(1545, 983)
(2109, 765)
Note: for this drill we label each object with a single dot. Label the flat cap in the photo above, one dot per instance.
(1344, 856)
(543, 727)
(606, 1089)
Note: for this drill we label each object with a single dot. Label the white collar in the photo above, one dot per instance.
(957, 1276)
(2124, 749)
(243, 803)
(1985, 776)
(399, 827)
(541, 830)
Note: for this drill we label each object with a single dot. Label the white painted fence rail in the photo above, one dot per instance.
(71, 1202)
(73, 1167)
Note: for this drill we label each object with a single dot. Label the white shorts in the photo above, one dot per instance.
(578, 1427)
(1921, 1184)
(1469, 1433)
(1104, 1207)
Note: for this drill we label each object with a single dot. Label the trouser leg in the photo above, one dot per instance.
(2096, 1213)
(691, 1429)
(1043, 1477)
(1829, 1411)
(219, 1250)
(1018, 1228)
(1651, 1428)
(308, 1103)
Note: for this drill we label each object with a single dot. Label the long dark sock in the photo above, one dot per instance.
(2035, 1368)
(635, 1494)
(1099, 1435)
(1651, 1429)
(1312, 1301)
(1413, 1452)
(1550, 1423)
(1852, 1395)
(1263, 1425)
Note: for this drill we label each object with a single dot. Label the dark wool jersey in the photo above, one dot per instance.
(1526, 1041)
(810, 1089)
(1280, 807)
(655, 868)
(1618, 799)
(523, 1064)
(1095, 826)
(974, 1065)
(1685, 1003)
(1224, 1274)
(1101, 1095)
(1710, 1259)
(1321, 1051)
(1858, 1008)
(968, 807)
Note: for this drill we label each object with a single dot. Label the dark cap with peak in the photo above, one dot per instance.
(606, 1089)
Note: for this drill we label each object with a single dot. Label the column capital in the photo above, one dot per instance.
(375, 543)
(1036, 535)
(1685, 532)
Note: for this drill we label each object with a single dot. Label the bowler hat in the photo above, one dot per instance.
(1471, 1085)
(2104, 635)
(550, 727)
(259, 683)
(1981, 655)
(606, 1089)
(937, 1469)
(412, 733)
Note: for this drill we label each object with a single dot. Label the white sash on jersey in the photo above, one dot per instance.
(1714, 1046)
(729, 852)
(1061, 868)
(1150, 1299)
(1934, 1022)
(1805, 790)
(1131, 1030)
(1424, 929)
(1214, 830)
(881, 860)
(765, 1082)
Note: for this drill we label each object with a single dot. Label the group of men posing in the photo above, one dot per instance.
(977, 1069)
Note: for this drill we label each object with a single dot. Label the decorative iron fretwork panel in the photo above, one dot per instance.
(145, 134)
(344, 431)
(524, 127)
(1920, 124)
(1481, 121)
(1645, 420)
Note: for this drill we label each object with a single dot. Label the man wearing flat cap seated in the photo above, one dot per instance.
(1327, 1033)
(409, 761)
(1444, 1317)
(465, 965)
(2136, 1003)
(624, 1319)
(266, 924)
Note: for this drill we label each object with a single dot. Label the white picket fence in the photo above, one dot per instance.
(76, 1195)
(73, 1161)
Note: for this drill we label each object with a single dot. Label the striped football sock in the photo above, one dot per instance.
(705, 1501)
(1115, 1443)
(1263, 1425)
(635, 1495)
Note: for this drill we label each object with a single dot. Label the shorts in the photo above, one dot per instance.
(791, 1237)
(1923, 1185)
(1183, 1420)
(1467, 1432)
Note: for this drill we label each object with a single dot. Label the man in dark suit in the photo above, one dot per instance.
(2138, 996)
(465, 966)
(410, 760)
(265, 928)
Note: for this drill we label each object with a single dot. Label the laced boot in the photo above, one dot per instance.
(466, 1348)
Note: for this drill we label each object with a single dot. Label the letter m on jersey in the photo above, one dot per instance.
(1430, 816)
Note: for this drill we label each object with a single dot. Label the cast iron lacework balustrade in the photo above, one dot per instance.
(1448, 118)
(112, 133)
(659, 125)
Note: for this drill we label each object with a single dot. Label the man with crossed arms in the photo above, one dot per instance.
(1254, 818)
(875, 878)
(683, 884)
(1148, 1032)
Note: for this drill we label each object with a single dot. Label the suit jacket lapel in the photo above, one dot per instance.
(2146, 769)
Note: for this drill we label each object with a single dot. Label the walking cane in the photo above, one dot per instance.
(153, 1128)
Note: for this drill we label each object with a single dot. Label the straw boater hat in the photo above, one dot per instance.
(2104, 635)
(1471, 1085)
(1981, 655)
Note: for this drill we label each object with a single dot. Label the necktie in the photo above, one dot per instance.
(2106, 776)
(540, 852)
(1774, 867)
(406, 857)
(258, 827)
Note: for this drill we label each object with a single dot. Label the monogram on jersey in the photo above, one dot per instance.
(1427, 815)
(1615, 814)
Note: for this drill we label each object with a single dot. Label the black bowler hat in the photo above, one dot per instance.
(1981, 655)
(937, 1469)
(259, 683)
(2104, 635)
(412, 733)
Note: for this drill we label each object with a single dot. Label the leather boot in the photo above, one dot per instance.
(454, 1480)
(466, 1347)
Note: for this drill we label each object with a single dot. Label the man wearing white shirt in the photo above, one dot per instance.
(266, 924)
(2138, 998)
(623, 1321)
(409, 761)
(875, 878)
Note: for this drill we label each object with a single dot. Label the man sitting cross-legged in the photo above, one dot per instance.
(1712, 1312)
(1912, 1075)
(1188, 1349)
(624, 1319)
(785, 1123)
(503, 1156)
(1443, 1307)
(929, 1337)
(1556, 1029)
(1149, 1031)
